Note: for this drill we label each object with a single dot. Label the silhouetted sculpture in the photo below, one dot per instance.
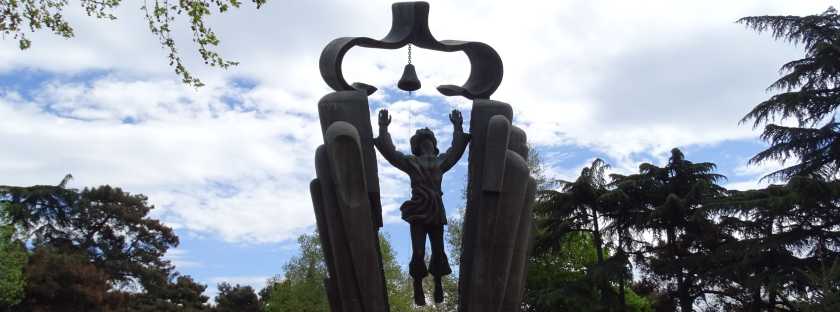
(346, 213)
(424, 211)
(497, 222)
(345, 194)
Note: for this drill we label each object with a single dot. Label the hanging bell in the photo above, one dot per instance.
(409, 81)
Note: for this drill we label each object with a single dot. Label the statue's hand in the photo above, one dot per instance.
(384, 118)
(456, 118)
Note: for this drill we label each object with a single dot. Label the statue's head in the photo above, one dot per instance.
(423, 142)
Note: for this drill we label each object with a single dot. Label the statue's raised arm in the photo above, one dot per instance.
(386, 146)
(459, 142)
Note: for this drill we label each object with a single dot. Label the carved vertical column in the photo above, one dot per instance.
(497, 220)
(346, 199)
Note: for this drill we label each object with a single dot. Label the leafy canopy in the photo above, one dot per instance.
(17, 17)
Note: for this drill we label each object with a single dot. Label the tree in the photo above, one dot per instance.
(13, 257)
(35, 15)
(810, 95)
(559, 279)
(302, 287)
(93, 233)
(110, 225)
(789, 234)
(671, 202)
(236, 298)
(576, 208)
(59, 280)
(175, 293)
(399, 284)
(826, 296)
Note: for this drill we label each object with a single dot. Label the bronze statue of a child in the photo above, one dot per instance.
(424, 211)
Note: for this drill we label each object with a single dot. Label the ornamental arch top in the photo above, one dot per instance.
(410, 25)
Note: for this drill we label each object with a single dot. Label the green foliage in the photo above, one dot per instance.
(96, 248)
(13, 257)
(302, 287)
(236, 299)
(788, 235)
(110, 225)
(559, 279)
(810, 94)
(19, 16)
(175, 293)
(61, 280)
(826, 288)
(400, 296)
(576, 208)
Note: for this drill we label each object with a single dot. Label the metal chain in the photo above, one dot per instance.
(410, 123)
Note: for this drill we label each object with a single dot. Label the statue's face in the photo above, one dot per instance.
(427, 148)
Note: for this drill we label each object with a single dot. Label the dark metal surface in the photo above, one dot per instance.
(410, 25)
(497, 228)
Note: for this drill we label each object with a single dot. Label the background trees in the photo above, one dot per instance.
(90, 250)
(13, 257)
(810, 96)
(236, 298)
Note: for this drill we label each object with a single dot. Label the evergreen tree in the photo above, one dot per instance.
(559, 279)
(236, 299)
(671, 202)
(810, 96)
(60, 280)
(97, 232)
(576, 208)
(788, 234)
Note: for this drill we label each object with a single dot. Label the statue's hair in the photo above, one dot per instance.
(422, 134)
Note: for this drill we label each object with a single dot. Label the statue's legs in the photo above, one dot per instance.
(438, 263)
(417, 266)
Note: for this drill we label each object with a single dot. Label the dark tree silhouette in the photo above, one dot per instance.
(236, 299)
(787, 234)
(110, 231)
(810, 96)
(670, 205)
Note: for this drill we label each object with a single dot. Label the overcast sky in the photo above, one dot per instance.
(228, 165)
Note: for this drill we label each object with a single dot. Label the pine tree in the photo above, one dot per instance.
(575, 208)
(669, 203)
(810, 96)
(788, 234)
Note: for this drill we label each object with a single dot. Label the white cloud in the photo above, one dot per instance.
(626, 79)
(208, 167)
(180, 258)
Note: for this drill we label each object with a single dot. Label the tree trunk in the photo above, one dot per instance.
(621, 297)
(599, 249)
(599, 252)
(771, 289)
(623, 306)
(686, 304)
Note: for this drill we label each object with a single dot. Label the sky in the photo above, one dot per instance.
(228, 165)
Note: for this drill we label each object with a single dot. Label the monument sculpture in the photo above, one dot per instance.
(345, 192)
(424, 211)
